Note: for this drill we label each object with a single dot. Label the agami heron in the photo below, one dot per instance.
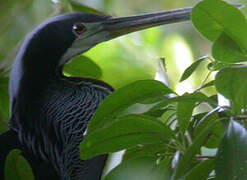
(49, 111)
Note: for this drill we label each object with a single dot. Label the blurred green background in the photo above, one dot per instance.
(123, 60)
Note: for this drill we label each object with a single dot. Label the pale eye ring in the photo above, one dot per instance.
(79, 28)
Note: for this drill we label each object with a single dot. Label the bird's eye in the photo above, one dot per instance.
(79, 28)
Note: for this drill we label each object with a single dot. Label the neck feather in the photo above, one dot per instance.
(31, 72)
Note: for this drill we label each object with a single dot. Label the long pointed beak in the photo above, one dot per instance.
(120, 26)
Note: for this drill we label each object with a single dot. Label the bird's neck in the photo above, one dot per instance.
(30, 76)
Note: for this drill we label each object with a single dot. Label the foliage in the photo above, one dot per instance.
(172, 137)
(187, 129)
(16, 167)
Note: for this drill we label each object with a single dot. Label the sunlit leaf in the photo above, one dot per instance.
(124, 64)
(83, 66)
(203, 22)
(230, 82)
(210, 19)
(244, 10)
(231, 157)
(226, 50)
(226, 30)
(143, 168)
(188, 71)
(124, 133)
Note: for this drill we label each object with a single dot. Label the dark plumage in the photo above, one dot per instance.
(50, 112)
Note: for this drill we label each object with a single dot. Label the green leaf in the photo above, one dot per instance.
(159, 112)
(83, 66)
(230, 82)
(143, 168)
(226, 50)
(11, 172)
(209, 84)
(244, 10)
(125, 133)
(217, 132)
(189, 70)
(194, 97)
(226, 26)
(217, 65)
(157, 150)
(7, 7)
(201, 170)
(3, 125)
(17, 168)
(205, 23)
(24, 169)
(4, 98)
(231, 157)
(123, 98)
(4, 104)
(184, 113)
(184, 163)
(78, 6)
(212, 17)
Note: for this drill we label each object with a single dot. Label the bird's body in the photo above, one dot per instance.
(50, 112)
(62, 111)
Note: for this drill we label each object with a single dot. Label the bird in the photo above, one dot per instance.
(50, 111)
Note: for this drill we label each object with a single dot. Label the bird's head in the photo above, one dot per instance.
(63, 37)
(53, 43)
